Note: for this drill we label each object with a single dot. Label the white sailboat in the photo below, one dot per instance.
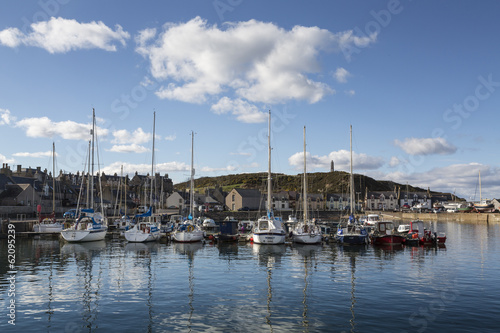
(49, 224)
(146, 231)
(306, 232)
(484, 205)
(189, 231)
(124, 222)
(90, 225)
(269, 229)
(351, 232)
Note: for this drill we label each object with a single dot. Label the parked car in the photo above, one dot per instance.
(243, 209)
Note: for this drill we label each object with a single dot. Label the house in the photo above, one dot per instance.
(19, 195)
(415, 199)
(178, 200)
(239, 198)
(381, 200)
(280, 200)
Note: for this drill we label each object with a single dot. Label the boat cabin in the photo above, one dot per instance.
(384, 227)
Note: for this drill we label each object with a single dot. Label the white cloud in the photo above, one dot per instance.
(341, 160)
(170, 137)
(45, 128)
(395, 161)
(341, 75)
(5, 117)
(130, 168)
(4, 159)
(59, 35)
(131, 148)
(350, 92)
(244, 111)
(459, 178)
(229, 168)
(34, 155)
(426, 146)
(137, 137)
(258, 62)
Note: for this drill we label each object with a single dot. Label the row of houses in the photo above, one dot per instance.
(33, 187)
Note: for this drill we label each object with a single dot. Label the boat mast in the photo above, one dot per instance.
(88, 177)
(92, 173)
(152, 162)
(305, 180)
(480, 193)
(54, 181)
(191, 192)
(269, 179)
(125, 190)
(352, 179)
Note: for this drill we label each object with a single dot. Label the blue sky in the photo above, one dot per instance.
(419, 81)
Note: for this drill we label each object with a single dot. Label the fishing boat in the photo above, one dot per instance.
(424, 236)
(48, 223)
(371, 219)
(228, 230)
(306, 232)
(146, 229)
(269, 229)
(210, 228)
(189, 231)
(384, 233)
(89, 225)
(351, 232)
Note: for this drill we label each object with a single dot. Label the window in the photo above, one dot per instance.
(233, 197)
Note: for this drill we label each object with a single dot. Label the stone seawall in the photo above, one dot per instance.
(443, 217)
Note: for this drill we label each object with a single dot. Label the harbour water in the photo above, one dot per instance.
(113, 286)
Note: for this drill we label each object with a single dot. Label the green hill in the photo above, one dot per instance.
(319, 182)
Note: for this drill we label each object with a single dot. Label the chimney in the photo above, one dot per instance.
(19, 168)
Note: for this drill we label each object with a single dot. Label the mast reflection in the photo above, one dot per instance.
(269, 256)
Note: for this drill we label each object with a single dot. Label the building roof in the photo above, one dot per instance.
(248, 193)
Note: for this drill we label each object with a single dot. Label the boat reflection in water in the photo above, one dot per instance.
(269, 256)
(189, 250)
(351, 253)
(143, 253)
(307, 253)
(88, 281)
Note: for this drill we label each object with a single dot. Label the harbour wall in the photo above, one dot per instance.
(479, 218)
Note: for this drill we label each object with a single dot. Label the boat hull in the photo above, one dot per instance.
(388, 240)
(188, 236)
(306, 238)
(83, 235)
(352, 239)
(141, 237)
(228, 238)
(48, 228)
(269, 238)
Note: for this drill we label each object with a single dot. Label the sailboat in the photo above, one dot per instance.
(124, 222)
(89, 225)
(306, 232)
(482, 205)
(269, 229)
(189, 231)
(49, 224)
(351, 232)
(146, 231)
